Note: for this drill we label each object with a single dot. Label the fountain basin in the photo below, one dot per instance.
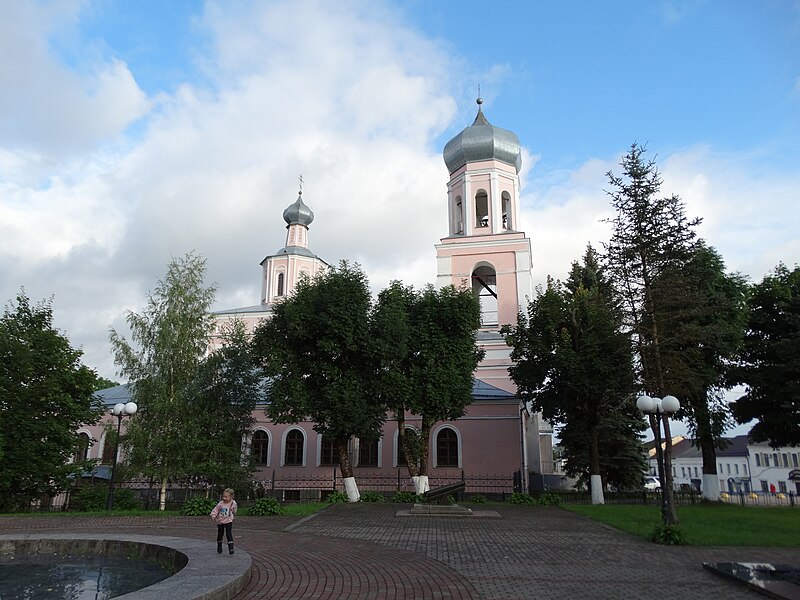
(200, 573)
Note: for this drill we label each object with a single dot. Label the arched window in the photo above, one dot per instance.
(481, 209)
(368, 453)
(259, 447)
(328, 454)
(447, 448)
(109, 447)
(459, 216)
(81, 451)
(506, 203)
(280, 284)
(484, 285)
(293, 451)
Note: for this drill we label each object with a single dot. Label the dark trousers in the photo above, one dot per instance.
(228, 529)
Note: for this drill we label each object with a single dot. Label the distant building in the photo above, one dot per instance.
(742, 466)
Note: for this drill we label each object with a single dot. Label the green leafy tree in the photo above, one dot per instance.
(620, 449)
(701, 313)
(425, 344)
(316, 350)
(650, 234)
(45, 395)
(770, 360)
(226, 390)
(169, 339)
(573, 363)
(103, 384)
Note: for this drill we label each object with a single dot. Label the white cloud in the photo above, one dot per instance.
(340, 92)
(750, 213)
(49, 108)
(562, 213)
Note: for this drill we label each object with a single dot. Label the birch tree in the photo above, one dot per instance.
(168, 342)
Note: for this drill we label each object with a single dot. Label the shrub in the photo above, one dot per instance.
(125, 499)
(93, 498)
(549, 499)
(668, 535)
(372, 497)
(478, 499)
(198, 507)
(336, 497)
(522, 499)
(406, 498)
(265, 506)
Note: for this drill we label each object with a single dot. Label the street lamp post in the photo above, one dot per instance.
(120, 410)
(659, 409)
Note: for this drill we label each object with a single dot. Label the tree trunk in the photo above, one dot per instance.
(424, 445)
(595, 479)
(710, 485)
(346, 467)
(402, 442)
(670, 516)
(162, 495)
(344, 458)
(351, 489)
(421, 481)
(710, 475)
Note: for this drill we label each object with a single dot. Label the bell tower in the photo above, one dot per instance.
(483, 248)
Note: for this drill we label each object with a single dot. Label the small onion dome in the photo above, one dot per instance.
(298, 213)
(482, 141)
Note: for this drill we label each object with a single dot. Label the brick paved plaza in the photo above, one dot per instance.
(366, 551)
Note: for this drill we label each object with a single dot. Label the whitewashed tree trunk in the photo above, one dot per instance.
(420, 484)
(711, 487)
(352, 489)
(597, 489)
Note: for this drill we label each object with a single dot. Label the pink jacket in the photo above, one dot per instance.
(224, 513)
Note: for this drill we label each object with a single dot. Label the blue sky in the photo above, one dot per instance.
(570, 78)
(131, 132)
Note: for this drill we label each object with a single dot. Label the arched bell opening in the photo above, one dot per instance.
(484, 286)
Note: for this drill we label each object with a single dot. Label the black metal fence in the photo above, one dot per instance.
(307, 488)
(294, 489)
(679, 497)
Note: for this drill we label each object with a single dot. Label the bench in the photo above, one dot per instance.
(440, 494)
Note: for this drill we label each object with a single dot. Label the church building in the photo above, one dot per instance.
(498, 438)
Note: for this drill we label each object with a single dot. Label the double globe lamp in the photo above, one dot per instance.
(658, 407)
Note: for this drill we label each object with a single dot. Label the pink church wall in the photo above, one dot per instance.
(293, 266)
(500, 254)
(480, 430)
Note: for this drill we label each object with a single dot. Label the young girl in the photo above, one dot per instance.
(223, 514)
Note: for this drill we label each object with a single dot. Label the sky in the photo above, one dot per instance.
(135, 132)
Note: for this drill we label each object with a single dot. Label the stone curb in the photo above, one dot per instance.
(201, 579)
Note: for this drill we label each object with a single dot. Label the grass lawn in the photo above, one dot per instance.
(295, 510)
(97, 513)
(303, 510)
(706, 524)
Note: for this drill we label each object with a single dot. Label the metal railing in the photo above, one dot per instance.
(494, 487)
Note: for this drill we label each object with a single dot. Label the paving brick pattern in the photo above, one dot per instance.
(366, 551)
(546, 552)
